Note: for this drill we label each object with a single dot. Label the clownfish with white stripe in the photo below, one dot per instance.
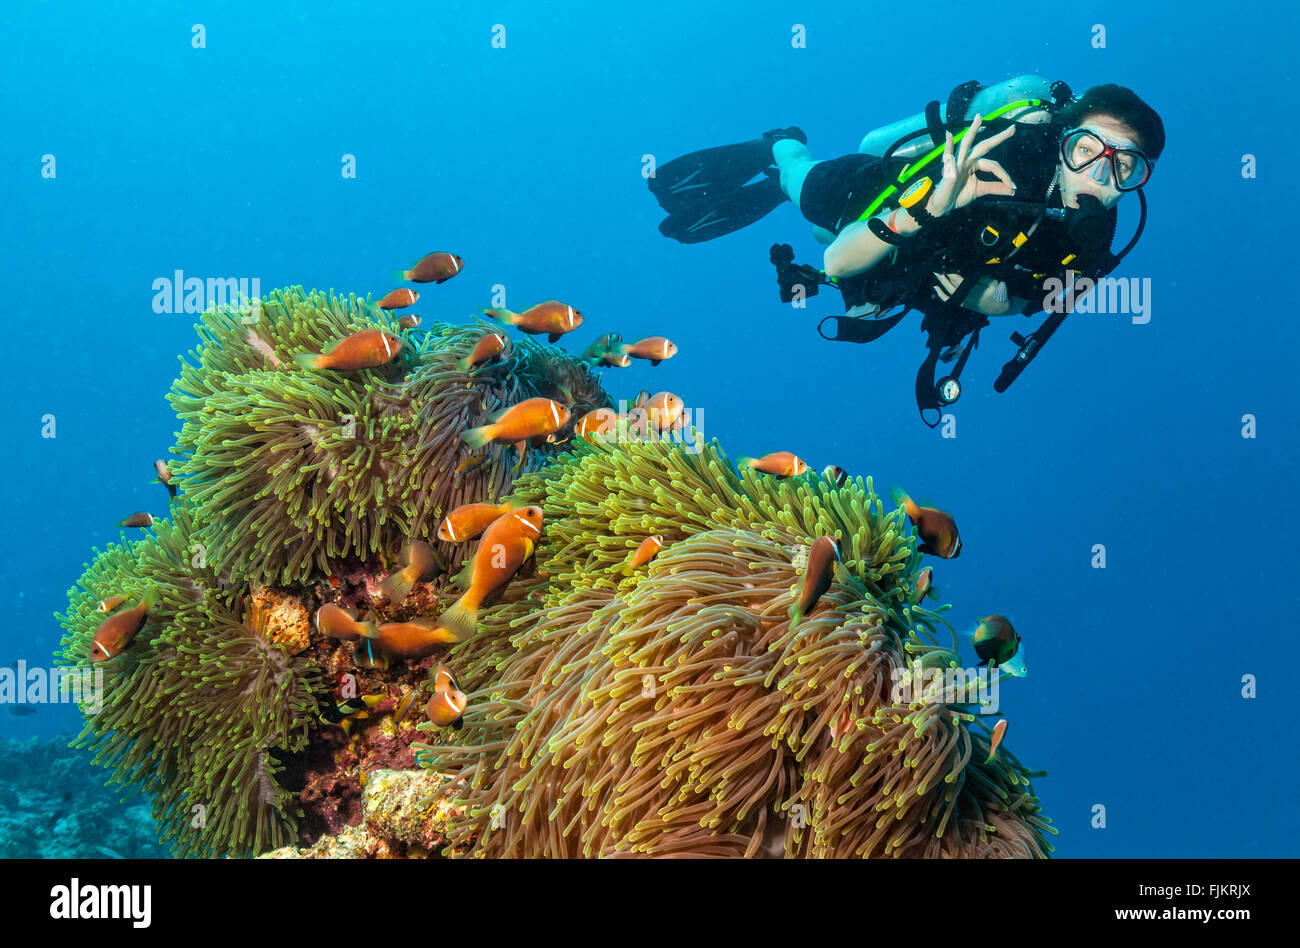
(654, 348)
(119, 630)
(531, 418)
(647, 550)
(436, 267)
(551, 319)
(506, 544)
(999, 732)
(597, 422)
(398, 299)
(469, 520)
(489, 346)
(367, 349)
(447, 706)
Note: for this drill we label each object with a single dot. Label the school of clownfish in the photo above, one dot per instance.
(508, 537)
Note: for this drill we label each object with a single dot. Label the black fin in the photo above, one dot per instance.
(709, 193)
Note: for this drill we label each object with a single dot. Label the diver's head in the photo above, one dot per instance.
(1110, 142)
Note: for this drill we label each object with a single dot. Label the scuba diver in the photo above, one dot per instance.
(972, 209)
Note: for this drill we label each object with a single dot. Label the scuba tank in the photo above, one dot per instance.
(964, 103)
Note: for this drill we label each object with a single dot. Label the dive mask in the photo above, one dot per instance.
(1129, 167)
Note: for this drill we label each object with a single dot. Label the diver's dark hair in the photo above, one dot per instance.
(1123, 104)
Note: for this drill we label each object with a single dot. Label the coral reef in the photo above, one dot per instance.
(675, 712)
(54, 804)
(405, 814)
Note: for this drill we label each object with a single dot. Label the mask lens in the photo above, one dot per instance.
(1081, 148)
(1131, 168)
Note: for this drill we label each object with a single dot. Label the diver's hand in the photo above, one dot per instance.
(985, 297)
(959, 186)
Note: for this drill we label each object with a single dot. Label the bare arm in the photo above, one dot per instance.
(857, 249)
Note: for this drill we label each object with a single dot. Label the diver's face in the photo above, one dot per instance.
(1097, 179)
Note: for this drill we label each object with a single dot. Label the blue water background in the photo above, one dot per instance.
(225, 161)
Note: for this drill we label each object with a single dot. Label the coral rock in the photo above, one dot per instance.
(409, 807)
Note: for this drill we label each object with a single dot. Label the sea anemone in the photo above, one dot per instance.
(675, 712)
(301, 466)
(202, 709)
(298, 485)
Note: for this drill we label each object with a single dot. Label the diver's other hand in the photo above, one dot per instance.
(959, 186)
(988, 296)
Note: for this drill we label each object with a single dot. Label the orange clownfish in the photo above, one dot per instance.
(164, 476)
(531, 418)
(338, 623)
(505, 544)
(443, 680)
(116, 632)
(999, 731)
(436, 267)
(420, 562)
(936, 528)
(665, 410)
(447, 708)
(415, 639)
(448, 702)
(398, 299)
(551, 319)
(654, 348)
(599, 421)
(111, 603)
(778, 464)
(469, 520)
(823, 556)
(489, 346)
(924, 581)
(367, 349)
(644, 553)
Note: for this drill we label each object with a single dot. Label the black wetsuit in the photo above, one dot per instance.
(976, 240)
